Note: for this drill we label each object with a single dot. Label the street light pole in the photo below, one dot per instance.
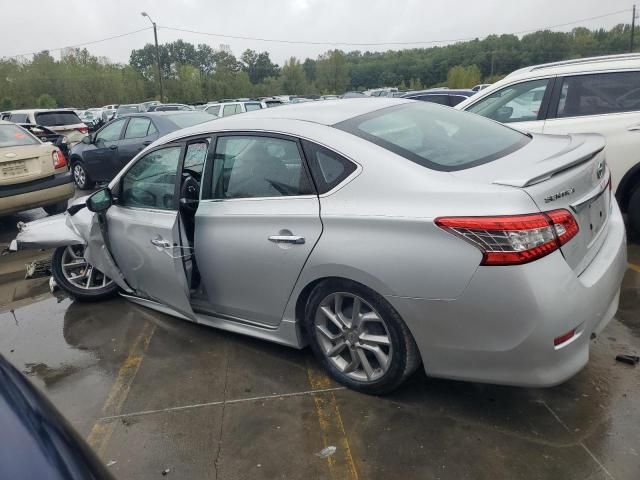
(633, 28)
(155, 36)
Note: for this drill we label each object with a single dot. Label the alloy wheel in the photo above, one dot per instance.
(353, 336)
(79, 273)
(79, 175)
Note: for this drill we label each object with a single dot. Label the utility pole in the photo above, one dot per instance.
(633, 28)
(155, 37)
(492, 61)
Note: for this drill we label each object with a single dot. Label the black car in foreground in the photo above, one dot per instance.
(100, 156)
(36, 442)
(444, 96)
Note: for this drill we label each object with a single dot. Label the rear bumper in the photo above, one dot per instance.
(38, 193)
(502, 328)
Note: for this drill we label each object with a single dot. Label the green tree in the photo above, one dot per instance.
(6, 104)
(293, 79)
(332, 72)
(463, 77)
(46, 101)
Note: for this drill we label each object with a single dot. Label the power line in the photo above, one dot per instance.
(93, 42)
(372, 44)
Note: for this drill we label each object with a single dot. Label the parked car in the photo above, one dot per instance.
(465, 264)
(227, 109)
(169, 107)
(448, 97)
(91, 119)
(600, 94)
(108, 112)
(44, 134)
(481, 86)
(35, 440)
(102, 155)
(32, 174)
(127, 109)
(151, 103)
(64, 122)
(5, 115)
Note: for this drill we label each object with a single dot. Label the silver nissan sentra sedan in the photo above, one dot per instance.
(384, 233)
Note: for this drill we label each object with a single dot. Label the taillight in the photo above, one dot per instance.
(83, 130)
(58, 159)
(513, 239)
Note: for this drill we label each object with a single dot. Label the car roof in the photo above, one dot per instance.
(38, 110)
(605, 62)
(441, 91)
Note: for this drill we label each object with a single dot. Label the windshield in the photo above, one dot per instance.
(14, 136)
(57, 119)
(184, 120)
(434, 136)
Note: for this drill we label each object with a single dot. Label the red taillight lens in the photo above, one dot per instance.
(58, 159)
(513, 239)
(564, 338)
(83, 130)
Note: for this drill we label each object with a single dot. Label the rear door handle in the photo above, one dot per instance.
(635, 128)
(147, 143)
(160, 243)
(112, 147)
(295, 239)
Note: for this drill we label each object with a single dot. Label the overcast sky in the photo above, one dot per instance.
(29, 26)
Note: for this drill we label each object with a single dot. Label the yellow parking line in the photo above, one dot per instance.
(101, 431)
(341, 464)
(634, 267)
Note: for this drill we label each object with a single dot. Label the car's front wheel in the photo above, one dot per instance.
(81, 177)
(359, 338)
(78, 278)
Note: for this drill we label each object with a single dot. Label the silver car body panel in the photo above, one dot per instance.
(472, 322)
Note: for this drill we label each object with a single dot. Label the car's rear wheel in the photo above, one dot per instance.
(359, 338)
(55, 209)
(78, 278)
(633, 211)
(81, 177)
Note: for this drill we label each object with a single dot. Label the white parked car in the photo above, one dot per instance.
(588, 95)
(227, 109)
(63, 121)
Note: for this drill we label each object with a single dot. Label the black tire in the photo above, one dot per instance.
(405, 358)
(56, 208)
(83, 295)
(81, 177)
(633, 212)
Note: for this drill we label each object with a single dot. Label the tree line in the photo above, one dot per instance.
(195, 73)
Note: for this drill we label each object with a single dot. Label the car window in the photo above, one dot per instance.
(19, 118)
(252, 166)
(516, 103)
(599, 94)
(56, 119)
(439, 99)
(435, 137)
(196, 155)
(152, 129)
(111, 132)
(151, 182)
(213, 110)
(230, 110)
(137, 128)
(252, 106)
(327, 168)
(14, 136)
(456, 99)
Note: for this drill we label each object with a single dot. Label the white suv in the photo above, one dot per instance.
(599, 94)
(226, 109)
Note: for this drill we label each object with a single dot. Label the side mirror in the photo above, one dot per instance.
(100, 201)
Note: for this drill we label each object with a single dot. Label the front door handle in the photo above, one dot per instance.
(160, 243)
(112, 147)
(294, 239)
(635, 128)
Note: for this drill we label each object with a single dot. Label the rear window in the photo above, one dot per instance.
(57, 119)
(13, 136)
(128, 109)
(19, 117)
(184, 120)
(436, 137)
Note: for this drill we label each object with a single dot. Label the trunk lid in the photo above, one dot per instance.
(557, 172)
(24, 163)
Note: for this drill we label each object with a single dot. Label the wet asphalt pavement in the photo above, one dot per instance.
(151, 393)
